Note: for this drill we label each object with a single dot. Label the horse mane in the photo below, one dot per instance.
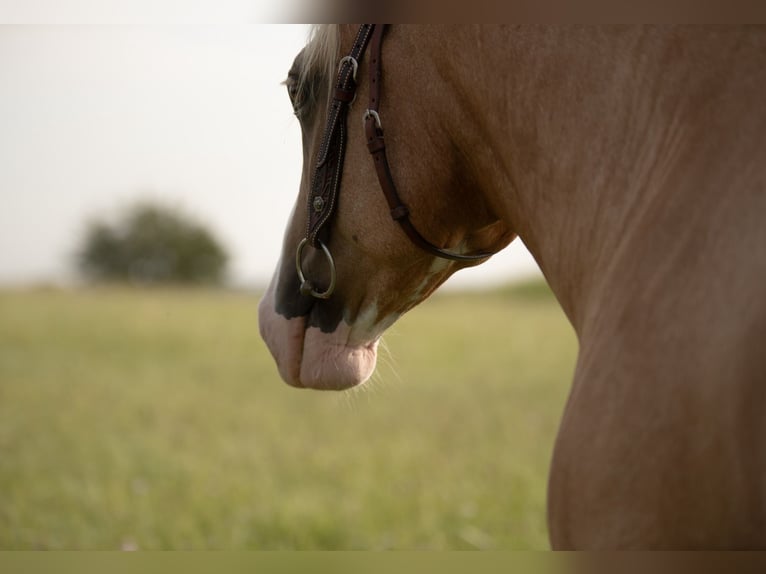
(320, 58)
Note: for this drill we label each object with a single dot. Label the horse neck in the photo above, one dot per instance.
(575, 135)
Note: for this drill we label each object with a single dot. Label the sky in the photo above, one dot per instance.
(94, 117)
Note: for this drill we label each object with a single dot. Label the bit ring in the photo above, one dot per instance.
(307, 287)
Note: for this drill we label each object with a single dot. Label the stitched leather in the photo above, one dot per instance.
(323, 196)
(325, 185)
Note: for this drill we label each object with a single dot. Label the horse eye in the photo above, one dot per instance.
(296, 99)
(292, 90)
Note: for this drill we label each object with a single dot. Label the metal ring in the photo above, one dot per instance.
(354, 64)
(368, 113)
(307, 288)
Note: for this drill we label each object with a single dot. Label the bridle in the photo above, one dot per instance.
(325, 185)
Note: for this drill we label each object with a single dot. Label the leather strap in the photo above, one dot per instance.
(377, 147)
(323, 197)
(325, 185)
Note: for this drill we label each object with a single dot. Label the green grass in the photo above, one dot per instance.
(156, 419)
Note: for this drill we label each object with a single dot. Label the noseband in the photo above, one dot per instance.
(325, 185)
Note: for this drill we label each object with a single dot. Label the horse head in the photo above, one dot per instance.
(347, 271)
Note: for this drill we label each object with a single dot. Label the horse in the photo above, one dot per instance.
(631, 161)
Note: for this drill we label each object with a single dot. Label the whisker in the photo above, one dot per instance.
(387, 358)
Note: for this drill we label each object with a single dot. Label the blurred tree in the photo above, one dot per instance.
(152, 244)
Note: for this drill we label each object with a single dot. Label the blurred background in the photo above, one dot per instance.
(146, 174)
(195, 117)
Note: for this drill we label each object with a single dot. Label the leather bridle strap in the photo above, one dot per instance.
(377, 146)
(329, 166)
(325, 184)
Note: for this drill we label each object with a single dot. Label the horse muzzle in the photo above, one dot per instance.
(307, 357)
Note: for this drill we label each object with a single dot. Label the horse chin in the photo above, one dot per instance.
(328, 363)
(310, 358)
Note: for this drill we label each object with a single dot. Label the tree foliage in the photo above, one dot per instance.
(152, 244)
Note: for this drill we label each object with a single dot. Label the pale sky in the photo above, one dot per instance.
(93, 117)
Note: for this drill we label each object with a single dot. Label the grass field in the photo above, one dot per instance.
(155, 419)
